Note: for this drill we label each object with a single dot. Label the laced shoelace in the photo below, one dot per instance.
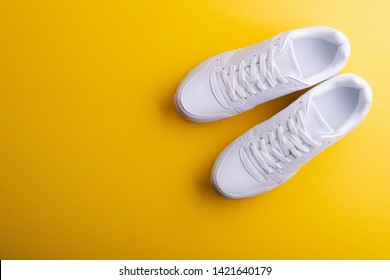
(282, 144)
(262, 71)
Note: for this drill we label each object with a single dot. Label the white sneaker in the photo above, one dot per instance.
(270, 153)
(236, 81)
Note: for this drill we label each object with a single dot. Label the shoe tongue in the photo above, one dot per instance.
(314, 122)
(286, 61)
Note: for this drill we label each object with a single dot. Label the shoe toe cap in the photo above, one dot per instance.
(230, 177)
(195, 99)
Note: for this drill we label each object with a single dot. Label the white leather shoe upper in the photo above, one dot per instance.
(272, 152)
(235, 81)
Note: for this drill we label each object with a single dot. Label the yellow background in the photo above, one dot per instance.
(95, 163)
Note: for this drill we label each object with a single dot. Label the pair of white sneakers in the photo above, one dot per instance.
(270, 153)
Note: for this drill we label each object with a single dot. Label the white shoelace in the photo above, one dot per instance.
(262, 70)
(280, 146)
